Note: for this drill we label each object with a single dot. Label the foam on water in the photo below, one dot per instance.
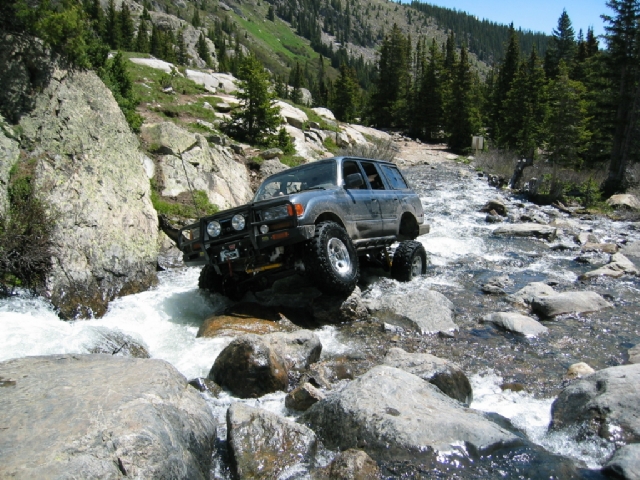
(533, 416)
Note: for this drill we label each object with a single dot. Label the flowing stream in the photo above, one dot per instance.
(511, 375)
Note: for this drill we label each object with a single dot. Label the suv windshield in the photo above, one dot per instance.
(314, 176)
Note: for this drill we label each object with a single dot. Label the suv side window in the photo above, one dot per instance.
(349, 167)
(394, 177)
(372, 174)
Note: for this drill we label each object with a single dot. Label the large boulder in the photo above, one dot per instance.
(624, 201)
(187, 162)
(101, 416)
(265, 445)
(395, 415)
(425, 311)
(90, 170)
(250, 367)
(604, 404)
(625, 463)
(445, 375)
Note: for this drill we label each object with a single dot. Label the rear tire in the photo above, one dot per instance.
(331, 260)
(409, 261)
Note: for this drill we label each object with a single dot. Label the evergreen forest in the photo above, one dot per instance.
(570, 99)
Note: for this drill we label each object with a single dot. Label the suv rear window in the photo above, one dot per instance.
(394, 177)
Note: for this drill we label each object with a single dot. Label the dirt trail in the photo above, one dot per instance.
(415, 153)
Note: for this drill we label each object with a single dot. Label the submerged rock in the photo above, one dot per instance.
(395, 415)
(101, 416)
(445, 375)
(265, 445)
(604, 404)
(527, 230)
(113, 342)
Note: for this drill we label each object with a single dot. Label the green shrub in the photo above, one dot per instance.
(26, 231)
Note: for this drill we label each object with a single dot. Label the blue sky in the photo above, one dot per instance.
(537, 15)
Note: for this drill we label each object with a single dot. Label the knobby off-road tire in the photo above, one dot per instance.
(223, 284)
(210, 280)
(409, 261)
(331, 260)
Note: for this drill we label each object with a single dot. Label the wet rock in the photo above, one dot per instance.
(299, 349)
(634, 354)
(352, 464)
(294, 292)
(394, 415)
(249, 367)
(102, 416)
(425, 311)
(584, 238)
(169, 256)
(527, 230)
(496, 285)
(245, 317)
(631, 250)
(579, 370)
(445, 375)
(604, 404)
(264, 445)
(330, 309)
(627, 201)
(491, 218)
(625, 463)
(600, 247)
(516, 323)
(617, 267)
(496, 206)
(531, 292)
(568, 302)
(113, 342)
(565, 224)
(302, 397)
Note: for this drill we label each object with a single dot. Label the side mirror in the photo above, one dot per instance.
(353, 180)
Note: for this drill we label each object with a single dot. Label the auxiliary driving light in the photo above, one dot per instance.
(238, 222)
(264, 229)
(214, 229)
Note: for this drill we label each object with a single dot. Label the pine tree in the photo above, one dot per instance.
(295, 80)
(432, 93)
(346, 95)
(623, 59)
(182, 56)
(127, 29)
(271, 14)
(562, 47)
(390, 86)
(203, 50)
(257, 119)
(506, 75)
(142, 38)
(112, 26)
(567, 122)
(195, 20)
(462, 115)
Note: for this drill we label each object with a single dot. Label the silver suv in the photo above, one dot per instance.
(324, 219)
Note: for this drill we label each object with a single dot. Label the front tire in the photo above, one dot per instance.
(210, 280)
(331, 260)
(409, 261)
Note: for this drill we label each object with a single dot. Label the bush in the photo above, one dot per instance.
(26, 230)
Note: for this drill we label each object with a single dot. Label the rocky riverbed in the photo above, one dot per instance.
(400, 381)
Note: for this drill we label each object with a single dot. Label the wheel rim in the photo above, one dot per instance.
(416, 266)
(339, 256)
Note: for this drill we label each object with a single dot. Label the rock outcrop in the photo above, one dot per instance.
(101, 416)
(88, 168)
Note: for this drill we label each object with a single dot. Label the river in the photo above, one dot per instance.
(511, 375)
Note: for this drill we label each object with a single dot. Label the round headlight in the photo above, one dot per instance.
(214, 229)
(238, 222)
(264, 229)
